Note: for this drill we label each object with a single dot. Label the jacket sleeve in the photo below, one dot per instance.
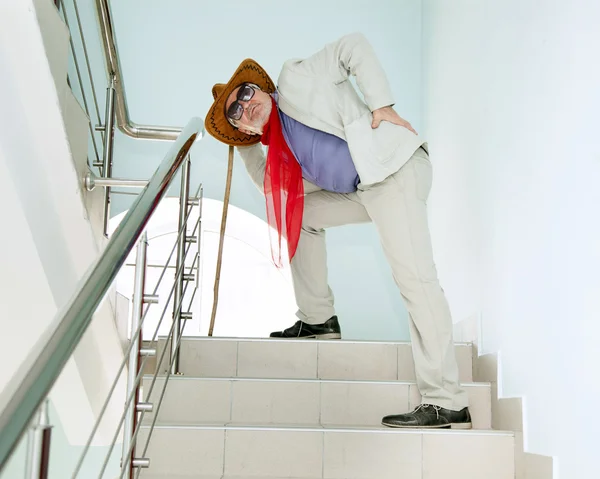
(352, 55)
(255, 162)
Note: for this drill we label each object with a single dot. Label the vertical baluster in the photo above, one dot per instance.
(38, 447)
(128, 460)
(179, 266)
(107, 160)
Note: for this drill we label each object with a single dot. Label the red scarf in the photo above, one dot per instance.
(283, 186)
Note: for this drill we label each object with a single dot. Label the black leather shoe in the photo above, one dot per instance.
(330, 329)
(428, 416)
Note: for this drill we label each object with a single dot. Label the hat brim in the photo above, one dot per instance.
(216, 123)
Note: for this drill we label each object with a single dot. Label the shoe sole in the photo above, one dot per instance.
(462, 426)
(315, 336)
(324, 336)
(396, 426)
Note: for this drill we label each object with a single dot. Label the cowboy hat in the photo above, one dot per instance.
(216, 123)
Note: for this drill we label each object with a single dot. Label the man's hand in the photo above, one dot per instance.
(387, 113)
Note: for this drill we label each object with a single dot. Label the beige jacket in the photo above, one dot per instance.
(317, 92)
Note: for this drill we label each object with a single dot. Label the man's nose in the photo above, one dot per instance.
(245, 105)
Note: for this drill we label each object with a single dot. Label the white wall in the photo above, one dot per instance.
(25, 297)
(511, 109)
(47, 242)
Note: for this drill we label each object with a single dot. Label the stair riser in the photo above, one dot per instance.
(306, 359)
(195, 401)
(329, 454)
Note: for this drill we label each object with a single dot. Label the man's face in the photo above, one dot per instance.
(256, 110)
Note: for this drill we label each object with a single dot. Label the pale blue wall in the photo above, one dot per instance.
(173, 52)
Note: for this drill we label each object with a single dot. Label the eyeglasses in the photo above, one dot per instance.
(245, 93)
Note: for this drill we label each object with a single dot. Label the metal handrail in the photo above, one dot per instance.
(39, 372)
(135, 332)
(129, 128)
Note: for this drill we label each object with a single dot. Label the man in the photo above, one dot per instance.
(335, 159)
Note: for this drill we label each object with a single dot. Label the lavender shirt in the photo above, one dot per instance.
(324, 158)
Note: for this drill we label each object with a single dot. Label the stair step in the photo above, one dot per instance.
(336, 452)
(304, 359)
(55, 36)
(171, 476)
(190, 400)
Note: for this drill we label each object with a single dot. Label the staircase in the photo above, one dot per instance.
(249, 408)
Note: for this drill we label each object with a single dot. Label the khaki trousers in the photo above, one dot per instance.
(397, 207)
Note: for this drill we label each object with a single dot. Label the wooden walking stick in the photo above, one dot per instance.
(221, 239)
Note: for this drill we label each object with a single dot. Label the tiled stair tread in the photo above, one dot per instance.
(308, 341)
(193, 400)
(194, 476)
(260, 450)
(323, 359)
(162, 376)
(145, 475)
(329, 428)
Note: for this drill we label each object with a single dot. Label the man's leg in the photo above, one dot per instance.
(398, 209)
(314, 297)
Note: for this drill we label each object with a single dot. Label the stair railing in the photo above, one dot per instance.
(28, 392)
(29, 389)
(116, 110)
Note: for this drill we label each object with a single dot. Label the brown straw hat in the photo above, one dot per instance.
(216, 123)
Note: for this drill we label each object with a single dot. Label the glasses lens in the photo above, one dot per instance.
(245, 93)
(235, 111)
